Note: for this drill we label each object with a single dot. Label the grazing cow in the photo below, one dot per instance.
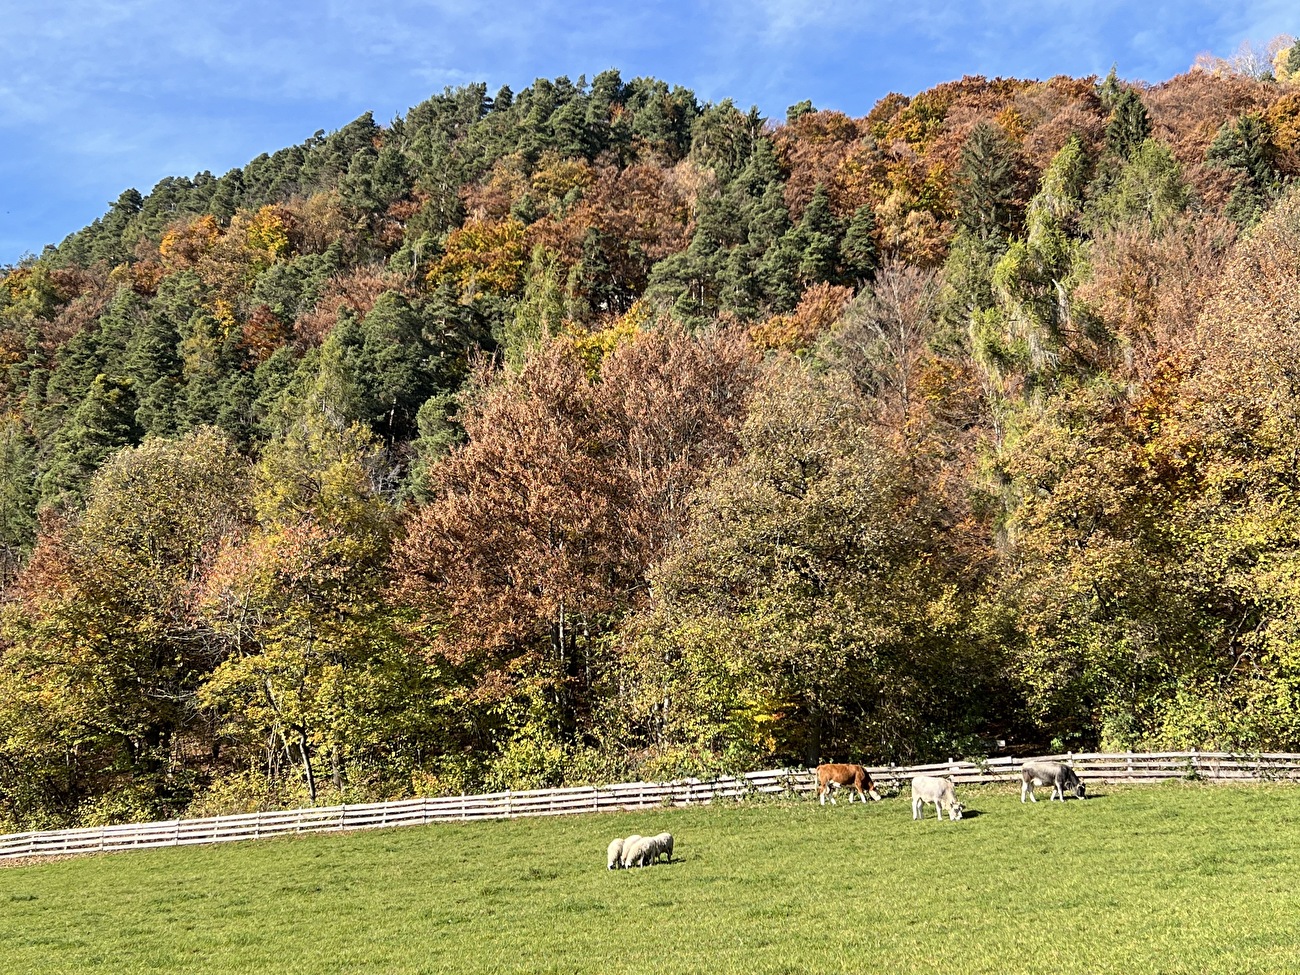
(832, 776)
(931, 788)
(1059, 777)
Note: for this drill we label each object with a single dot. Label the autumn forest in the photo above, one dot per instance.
(593, 432)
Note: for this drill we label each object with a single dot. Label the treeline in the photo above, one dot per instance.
(594, 431)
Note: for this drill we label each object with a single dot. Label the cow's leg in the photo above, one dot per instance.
(1057, 792)
(938, 811)
(916, 808)
(821, 794)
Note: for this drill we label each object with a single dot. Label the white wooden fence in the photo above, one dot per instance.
(1113, 767)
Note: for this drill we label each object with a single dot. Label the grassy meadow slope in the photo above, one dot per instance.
(1172, 878)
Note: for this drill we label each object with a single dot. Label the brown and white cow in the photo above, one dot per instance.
(838, 776)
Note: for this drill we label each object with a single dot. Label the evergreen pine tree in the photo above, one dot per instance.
(778, 273)
(154, 368)
(1109, 90)
(818, 238)
(79, 362)
(1129, 124)
(335, 391)
(687, 282)
(392, 367)
(103, 423)
(985, 182)
(1246, 147)
(593, 277)
(798, 110)
(858, 251)
(17, 493)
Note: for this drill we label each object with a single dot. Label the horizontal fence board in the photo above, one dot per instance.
(1112, 767)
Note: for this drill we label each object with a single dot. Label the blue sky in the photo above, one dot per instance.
(100, 95)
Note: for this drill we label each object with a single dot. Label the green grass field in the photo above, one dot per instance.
(1168, 878)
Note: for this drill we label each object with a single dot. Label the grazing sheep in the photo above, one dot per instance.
(639, 851)
(614, 855)
(647, 851)
(931, 788)
(664, 842)
(1059, 777)
(630, 846)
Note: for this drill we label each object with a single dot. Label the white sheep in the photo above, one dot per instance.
(643, 854)
(629, 848)
(639, 851)
(664, 843)
(651, 847)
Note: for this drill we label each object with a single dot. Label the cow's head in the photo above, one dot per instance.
(1080, 790)
(955, 810)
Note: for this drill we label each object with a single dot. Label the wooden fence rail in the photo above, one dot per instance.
(628, 796)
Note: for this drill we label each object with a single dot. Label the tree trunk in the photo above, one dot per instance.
(813, 751)
(306, 765)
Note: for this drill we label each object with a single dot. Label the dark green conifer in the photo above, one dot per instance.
(858, 250)
(985, 184)
(154, 368)
(1129, 124)
(1246, 147)
(103, 423)
(818, 239)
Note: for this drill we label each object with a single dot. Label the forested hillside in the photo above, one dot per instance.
(594, 431)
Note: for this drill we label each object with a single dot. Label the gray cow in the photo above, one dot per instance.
(1060, 777)
(931, 788)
